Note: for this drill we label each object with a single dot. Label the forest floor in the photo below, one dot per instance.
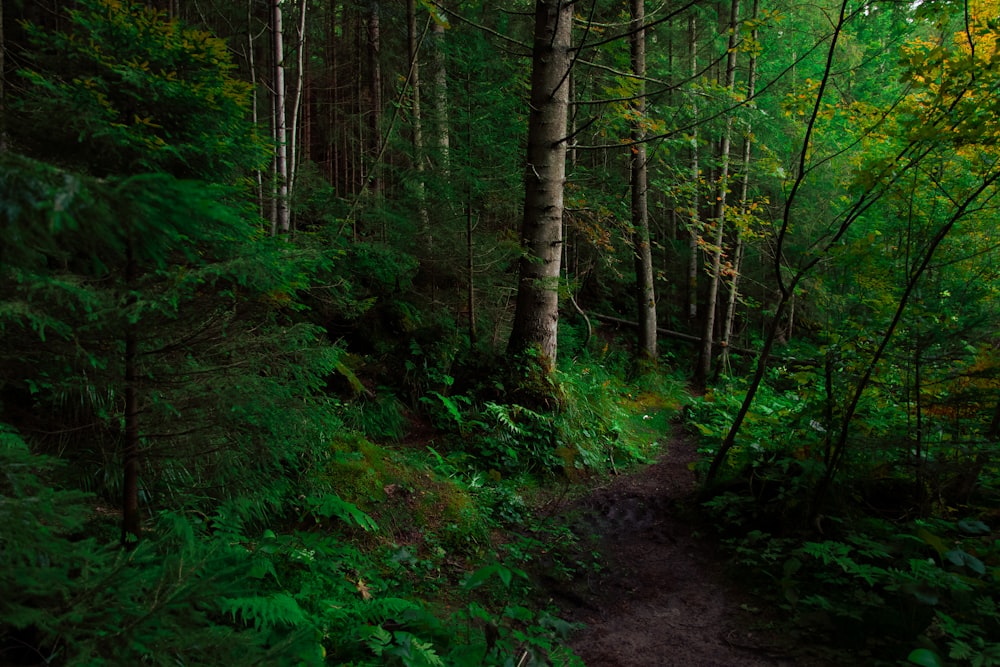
(662, 595)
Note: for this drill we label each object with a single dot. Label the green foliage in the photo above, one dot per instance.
(882, 589)
(66, 599)
(123, 90)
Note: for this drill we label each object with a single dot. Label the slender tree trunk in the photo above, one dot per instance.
(281, 221)
(744, 204)
(254, 101)
(470, 269)
(300, 77)
(441, 124)
(375, 94)
(337, 173)
(719, 216)
(131, 521)
(918, 444)
(645, 295)
(786, 289)
(416, 121)
(731, 300)
(694, 224)
(536, 315)
(3, 84)
(470, 223)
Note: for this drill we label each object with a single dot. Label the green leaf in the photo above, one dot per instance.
(963, 559)
(973, 527)
(332, 505)
(925, 658)
(483, 574)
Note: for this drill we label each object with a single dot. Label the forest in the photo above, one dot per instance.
(314, 313)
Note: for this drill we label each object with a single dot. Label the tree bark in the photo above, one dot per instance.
(416, 121)
(704, 368)
(375, 94)
(536, 315)
(441, 124)
(254, 101)
(744, 205)
(3, 84)
(300, 77)
(131, 521)
(280, 222)
(645, 295)
(694, 223)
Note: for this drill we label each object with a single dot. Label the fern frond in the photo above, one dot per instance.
(272, 611)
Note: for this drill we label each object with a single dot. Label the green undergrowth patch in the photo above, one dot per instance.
(923, 592)
(384, 561)
(891, 558)
(407, 496)
(603, 421)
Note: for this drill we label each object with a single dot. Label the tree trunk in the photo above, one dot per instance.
(441, 125)
(3, 84)
(375, 94)
(536, 315)
(254, 101)
(645, 295)
(131, 523)
(300, 77)
(743, 205)
(416, 121)
(694, 223)
(280, 221)
(704, 369)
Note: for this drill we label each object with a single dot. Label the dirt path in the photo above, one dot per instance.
(661, 598)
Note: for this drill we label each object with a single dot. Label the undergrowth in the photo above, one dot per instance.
(881, 565)
(388, 554)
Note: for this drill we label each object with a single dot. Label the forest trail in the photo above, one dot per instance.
(661, 598)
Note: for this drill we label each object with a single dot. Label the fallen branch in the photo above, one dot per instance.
(670, 333)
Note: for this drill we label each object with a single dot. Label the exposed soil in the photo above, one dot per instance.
(662, 597)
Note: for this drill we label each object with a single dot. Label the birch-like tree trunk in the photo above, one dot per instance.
(536, 316)
(441, 125)
(694, 223)
(704, 368)
(744, 205)
(416, 122)
(280, 219)
(254, 101)
(300, 77)
(375, 93)
(645, 295)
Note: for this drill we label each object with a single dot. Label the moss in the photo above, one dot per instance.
(410, 502)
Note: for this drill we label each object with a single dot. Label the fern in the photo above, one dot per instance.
(332, 505)
(501, 413)
(267, 612)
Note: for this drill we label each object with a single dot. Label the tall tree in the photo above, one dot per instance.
(280, 216)
(295, 141)
(744, 204)
(442, 132)
(645, 294)
(536, 316)
(417, 122)
(704, 367)
(3, 83)
(694, 215)
(374, 94)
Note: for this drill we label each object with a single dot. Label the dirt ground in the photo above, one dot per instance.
(662, 597)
